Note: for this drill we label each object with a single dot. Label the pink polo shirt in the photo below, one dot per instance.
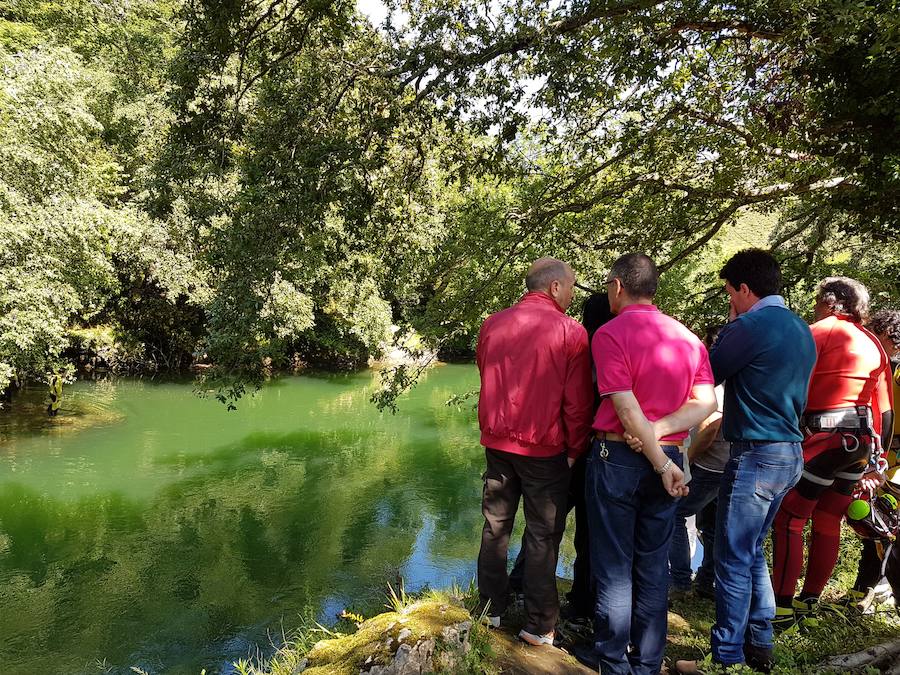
(652, 355)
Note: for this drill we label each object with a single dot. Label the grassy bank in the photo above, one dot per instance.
(346, 646)
(355, 640)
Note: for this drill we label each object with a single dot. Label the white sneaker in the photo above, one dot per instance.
(883, 593)
(537, 640)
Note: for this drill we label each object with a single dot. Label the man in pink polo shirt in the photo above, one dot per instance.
(535, 416)
(656, 383)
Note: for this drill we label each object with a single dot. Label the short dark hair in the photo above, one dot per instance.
(711, 333)
(756, 268)
(887, 322)
(638, 275)
(596, 312)
(845, 295)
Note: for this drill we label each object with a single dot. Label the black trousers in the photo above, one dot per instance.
(582, 594)
(543, 484)
(871, 566)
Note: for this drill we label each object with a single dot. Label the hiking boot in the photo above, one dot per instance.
(857, 599)
(883, 593)
(545, 640)
(586, 656)
(759, 658)
(784, 619)
(805, 611)
(488, 613)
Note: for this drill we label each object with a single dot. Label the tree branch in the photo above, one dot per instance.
(449, 62)
(733, 26)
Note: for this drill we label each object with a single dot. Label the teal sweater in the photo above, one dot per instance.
(765, 358)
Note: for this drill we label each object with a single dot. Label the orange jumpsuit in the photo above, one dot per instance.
(852, 369)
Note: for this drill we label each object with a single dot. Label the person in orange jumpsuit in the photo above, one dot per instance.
(875, 562)
(842, 445)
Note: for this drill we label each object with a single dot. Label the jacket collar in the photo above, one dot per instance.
(540, 297)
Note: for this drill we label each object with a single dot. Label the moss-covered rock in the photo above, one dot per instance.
(378, 640)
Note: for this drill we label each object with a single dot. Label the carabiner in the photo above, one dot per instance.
(844, 443)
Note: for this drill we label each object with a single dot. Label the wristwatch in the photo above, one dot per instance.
(665, 467)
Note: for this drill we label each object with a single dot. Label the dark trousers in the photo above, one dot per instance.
(582, 594)
(543, 484)
(631, 521)
(701, 501)
(869, 574)
(873, 569)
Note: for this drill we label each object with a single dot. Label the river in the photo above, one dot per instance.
(149, 527)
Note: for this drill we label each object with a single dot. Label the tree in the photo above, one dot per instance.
(306, 177)
(77, 126)
(654, 125)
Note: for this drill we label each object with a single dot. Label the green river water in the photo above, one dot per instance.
(149, 527)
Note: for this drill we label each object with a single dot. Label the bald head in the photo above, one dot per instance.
(545, 271)
(553, 277)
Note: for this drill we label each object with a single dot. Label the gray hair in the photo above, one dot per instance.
(845, 296)
(544, 271)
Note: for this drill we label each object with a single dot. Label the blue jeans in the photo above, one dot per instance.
(704, 487)
(630, 517)
(756, 479)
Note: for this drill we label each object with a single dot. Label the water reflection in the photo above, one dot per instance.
(176, 536)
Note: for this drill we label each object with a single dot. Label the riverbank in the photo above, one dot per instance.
(419, 626)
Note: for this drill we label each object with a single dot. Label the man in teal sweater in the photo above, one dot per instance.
(765, 357)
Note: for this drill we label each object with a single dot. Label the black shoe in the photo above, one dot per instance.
(759, 658)
(704, 591)
(586, 656)
(572, 612)
(575, 631)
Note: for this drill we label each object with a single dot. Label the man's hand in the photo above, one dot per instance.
(635, 443)
(732, 310)
(673, 482)
(871, 481)
(570, 460)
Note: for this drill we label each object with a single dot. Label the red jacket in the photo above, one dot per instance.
(537, 396)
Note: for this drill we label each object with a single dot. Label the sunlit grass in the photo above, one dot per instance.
(355, 639)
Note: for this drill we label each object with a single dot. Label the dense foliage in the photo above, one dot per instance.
(276, 183)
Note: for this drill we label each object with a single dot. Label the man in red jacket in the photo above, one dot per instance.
(535, 412)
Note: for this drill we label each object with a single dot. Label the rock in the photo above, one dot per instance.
(457, 636)
(678, 624)
(421, 657)
(879, 656)
(409, 660)
(300, 667)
